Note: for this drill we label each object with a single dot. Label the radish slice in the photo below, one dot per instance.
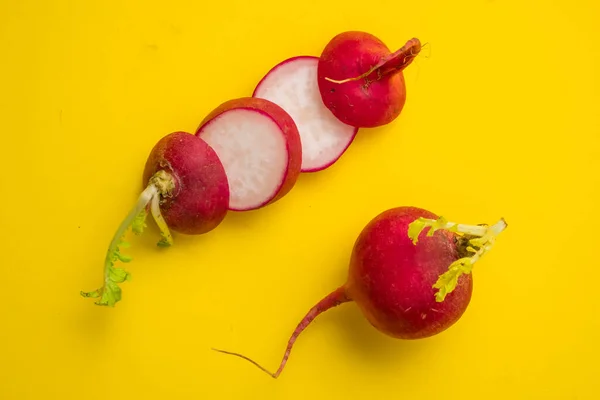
(292, 84)
(259, 147)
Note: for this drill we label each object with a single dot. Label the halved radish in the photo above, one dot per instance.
(292, 84)
(259, 146)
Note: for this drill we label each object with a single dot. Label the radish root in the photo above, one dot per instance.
(333, 299)
(389, 64)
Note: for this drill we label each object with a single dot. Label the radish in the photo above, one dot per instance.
(361, 81)
(408, 283)
(259, 146)
(186, 190)
(292, 84)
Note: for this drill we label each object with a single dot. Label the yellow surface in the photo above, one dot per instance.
(502, 119)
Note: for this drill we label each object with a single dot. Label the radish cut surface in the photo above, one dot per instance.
(253, 151)
(292, 84)
(259, 146)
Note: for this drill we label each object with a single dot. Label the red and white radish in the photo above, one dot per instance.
(409, 283)
(361, 80)
(292, 84)
(259, 146)
(186, 190)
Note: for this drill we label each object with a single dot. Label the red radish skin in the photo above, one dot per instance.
(260, 147)
(392, 279)
(186, 190)
(200, 200)
(292, 84)
(361, 81)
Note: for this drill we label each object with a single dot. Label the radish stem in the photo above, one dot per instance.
(480, 240)
(147, 195)
(161, 184)
(167, 239)
(392, 63)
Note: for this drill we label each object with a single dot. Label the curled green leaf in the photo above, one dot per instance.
(448, 281)
(124, 258)
(110, 293)
(416, 227)
(119, 275)
(93, 295)
(161, 184)
(480, 239)
(139, 223)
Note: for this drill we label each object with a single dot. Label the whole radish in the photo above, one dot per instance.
(409, 274)
(361, 81)
(186, 190)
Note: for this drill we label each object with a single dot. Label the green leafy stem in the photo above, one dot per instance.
(479, 240)
(160, 185)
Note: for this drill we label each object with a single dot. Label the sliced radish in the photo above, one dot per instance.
(259, 146)
(292, 84)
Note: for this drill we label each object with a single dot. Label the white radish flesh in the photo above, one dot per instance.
(293, 86)
(259, 148)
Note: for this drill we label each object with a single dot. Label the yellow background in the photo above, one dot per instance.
(502, 119)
